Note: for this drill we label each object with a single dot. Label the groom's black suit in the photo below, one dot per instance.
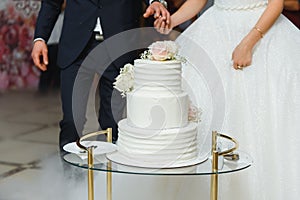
(80, 20)
(77, 40)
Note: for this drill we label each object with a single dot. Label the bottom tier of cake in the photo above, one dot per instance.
(160, 148)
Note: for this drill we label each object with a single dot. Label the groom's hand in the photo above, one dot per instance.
(158, 11)
(39, 54)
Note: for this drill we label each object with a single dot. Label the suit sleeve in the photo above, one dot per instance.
(48, 14)
(148, 2)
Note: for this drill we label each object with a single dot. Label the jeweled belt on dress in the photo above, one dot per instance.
(241, 7)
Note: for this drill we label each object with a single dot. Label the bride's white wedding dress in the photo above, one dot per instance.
(259, 106)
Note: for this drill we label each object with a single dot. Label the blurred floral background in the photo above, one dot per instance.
(17, 22)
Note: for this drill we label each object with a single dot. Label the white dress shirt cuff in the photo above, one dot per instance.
(38, 39)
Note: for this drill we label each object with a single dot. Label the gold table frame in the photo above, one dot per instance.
(216, 153)
(215, 161)
(89, 151)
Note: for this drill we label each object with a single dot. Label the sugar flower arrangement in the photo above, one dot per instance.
(162, 51)
(159, 51)
(124, 81)
(194, 113)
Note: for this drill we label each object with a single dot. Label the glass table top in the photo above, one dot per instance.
(102, 163)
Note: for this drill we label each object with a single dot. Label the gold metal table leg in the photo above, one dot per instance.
(90, 174)
(91, 163)
(109, 182)
(215, 158)
(109, 173)
(214, 177)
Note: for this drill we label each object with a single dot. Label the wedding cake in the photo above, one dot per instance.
(157, 131)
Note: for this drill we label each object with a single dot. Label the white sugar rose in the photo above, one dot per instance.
(125, 80)
(128, 68)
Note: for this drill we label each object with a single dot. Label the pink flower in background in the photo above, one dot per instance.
(2, 18)
(25, 37)
(4, 80)
(24, 69)
(17, 70)
(32, 80)
(10, 12)
(10, 35)
(17, 82)
(4, 52)
(19, 55)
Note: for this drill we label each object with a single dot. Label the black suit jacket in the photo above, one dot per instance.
(80, 19)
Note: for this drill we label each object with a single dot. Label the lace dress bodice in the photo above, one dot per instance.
(240, 4)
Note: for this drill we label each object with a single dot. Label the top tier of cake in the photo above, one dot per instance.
(157, 101)
(156, 76)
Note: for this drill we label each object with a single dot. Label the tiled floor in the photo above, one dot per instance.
(30, 165)
(28, 135)
(31, 168)
(28, 129)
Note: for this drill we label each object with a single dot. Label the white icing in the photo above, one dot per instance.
(162, 75)
(159, 111)
(157, 131)
(174, 145)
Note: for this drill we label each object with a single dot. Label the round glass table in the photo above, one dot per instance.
(221, 161)
(101, 163)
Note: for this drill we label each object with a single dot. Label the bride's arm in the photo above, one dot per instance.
(188, 10)
(242, 54)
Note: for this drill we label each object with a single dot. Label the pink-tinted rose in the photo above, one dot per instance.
(159, 51)
(163, 50)
(194, 113)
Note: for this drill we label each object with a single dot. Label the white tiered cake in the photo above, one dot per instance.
(156, 132)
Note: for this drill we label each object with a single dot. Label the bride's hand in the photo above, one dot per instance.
(162, 27)
(242, 56)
